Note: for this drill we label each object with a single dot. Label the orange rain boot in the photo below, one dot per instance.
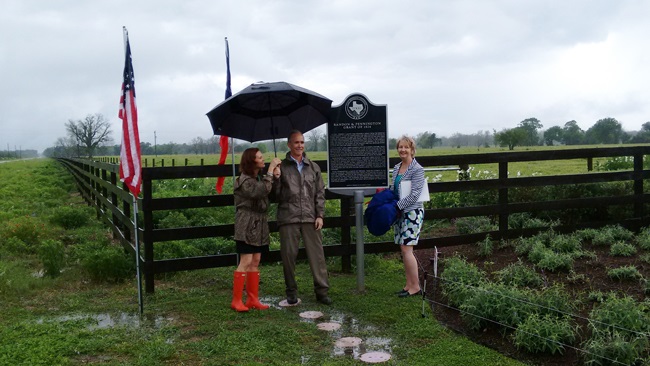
(238, 291)
(252, 290)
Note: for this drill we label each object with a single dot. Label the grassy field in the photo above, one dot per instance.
(80, 315)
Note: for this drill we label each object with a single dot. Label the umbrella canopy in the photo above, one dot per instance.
(265, 111)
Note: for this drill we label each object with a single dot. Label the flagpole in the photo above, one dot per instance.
(135, 215)
(137, 254)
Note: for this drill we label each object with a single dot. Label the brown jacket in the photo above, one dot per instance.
(300, 197)
(251, 207)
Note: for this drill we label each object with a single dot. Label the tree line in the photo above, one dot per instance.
(91, 136)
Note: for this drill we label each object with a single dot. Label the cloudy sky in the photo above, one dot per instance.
(440, 66)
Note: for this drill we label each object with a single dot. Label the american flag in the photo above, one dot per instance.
(130, 157)
(223, 140)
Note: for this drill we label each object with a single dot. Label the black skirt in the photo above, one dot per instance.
(243, 248)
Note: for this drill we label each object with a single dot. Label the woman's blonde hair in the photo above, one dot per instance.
(409, 141)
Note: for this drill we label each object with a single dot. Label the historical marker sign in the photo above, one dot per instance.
(357, 145)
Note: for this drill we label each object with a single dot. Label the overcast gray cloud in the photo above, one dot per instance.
(440, 66)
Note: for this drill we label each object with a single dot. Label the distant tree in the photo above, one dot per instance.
(92, 131)
(64, 147)
(426, 140)
(642, 136)
(605, 131)
(262, 147)
(198, 145)
(572, 134)
(552, 135)
(315, 138)
(511, 138)
(391, 143)
(531, 126)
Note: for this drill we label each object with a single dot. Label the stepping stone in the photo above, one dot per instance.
(375, 357)
(285, 304)
(346, 342)
(328, 326)
(311, 314)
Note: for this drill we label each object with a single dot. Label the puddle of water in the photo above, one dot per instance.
(104, 321)
(371, 344)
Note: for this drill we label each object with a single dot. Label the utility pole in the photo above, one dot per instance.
(155, 150)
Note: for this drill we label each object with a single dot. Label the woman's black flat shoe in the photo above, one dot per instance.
(401, 292)
(407, 294)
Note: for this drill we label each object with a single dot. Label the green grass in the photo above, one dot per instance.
(188, 320)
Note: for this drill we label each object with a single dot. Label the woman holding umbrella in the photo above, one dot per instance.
(410, 211)
(251, 191)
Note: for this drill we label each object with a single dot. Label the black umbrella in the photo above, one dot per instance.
(265, 111)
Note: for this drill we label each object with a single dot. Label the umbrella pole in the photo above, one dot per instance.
(232, 154)
(275, 151)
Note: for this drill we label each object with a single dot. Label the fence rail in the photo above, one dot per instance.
(99, 184)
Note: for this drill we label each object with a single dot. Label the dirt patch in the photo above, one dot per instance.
(588, 275)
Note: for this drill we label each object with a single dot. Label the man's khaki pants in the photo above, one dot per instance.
(290, 235)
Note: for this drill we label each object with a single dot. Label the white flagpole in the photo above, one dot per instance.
(137, 254)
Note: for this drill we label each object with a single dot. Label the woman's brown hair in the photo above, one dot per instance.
(247, 163)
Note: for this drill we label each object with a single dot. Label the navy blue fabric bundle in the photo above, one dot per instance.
(381, 212)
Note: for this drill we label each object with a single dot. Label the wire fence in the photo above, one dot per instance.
(435, 298)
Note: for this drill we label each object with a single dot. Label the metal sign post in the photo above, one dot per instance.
(357, 158)
(358, 204)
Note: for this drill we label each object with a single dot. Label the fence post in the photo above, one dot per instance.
(115, 203)
(638, 188)
(147, 232)
(346, 259)
(503, 199)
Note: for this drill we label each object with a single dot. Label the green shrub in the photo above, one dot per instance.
(520, 275)
(175, 249)
(474, 224)
(14, 245)
(643, 239)
(16, 279)
(603, 238)
(645, 257)
(524, 220)
(586, 234)
(619, 232)
(523, 246)
(627, 273)
(621, 314)
(566, 244)
(619, 331)
(173, 219)
(460, 279)
(485, 247)
(52, 255)
(70, 217)
(497, 302)
(548, 259)
(553, 300)
(622, 249)
(596, 296)
(25, 228)
(544, 334)
(109, 264)
(608, 348)
(615, 163)
(556, 261)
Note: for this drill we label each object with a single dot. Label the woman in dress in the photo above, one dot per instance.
(251, 191)
(410, 211)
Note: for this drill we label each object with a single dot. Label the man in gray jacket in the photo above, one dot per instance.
(300, 193)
